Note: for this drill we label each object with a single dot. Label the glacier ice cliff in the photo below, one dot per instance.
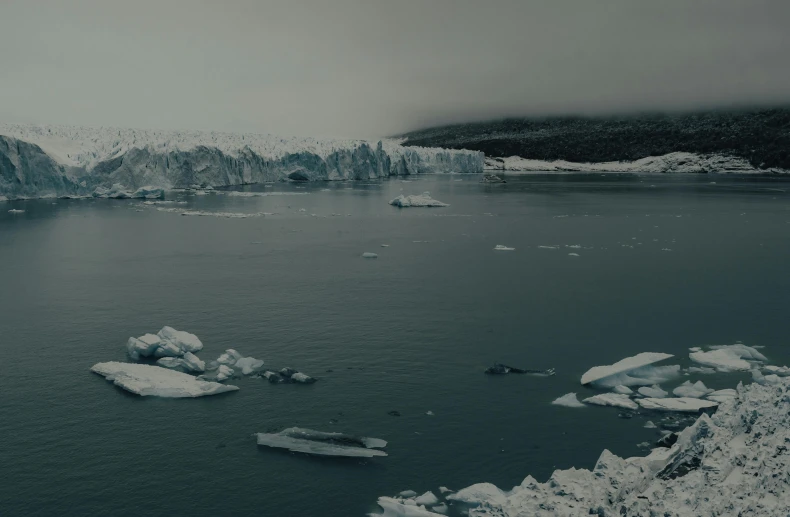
(735, 462)
(57, 161)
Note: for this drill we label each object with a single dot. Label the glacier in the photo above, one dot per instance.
(64, 161)
(734, 462)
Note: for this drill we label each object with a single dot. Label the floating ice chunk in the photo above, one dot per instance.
(322, 444)
(728, 358)
(573, 254)
(650, 425)
(148, 380)
(424, 200)
(765, 380)
(229, 357)
(248, 365)
(368, 254)
(444, 489)
(408, 493)
(653, 391)
(144, 346)
(631, 371)
(722, 395)
(502, 247)
(612, 399)
(300, 377)
(696, 390)
(395, 508)
(15, 211)
(149, 193)
(695, 349)
(568, 400)
(167, 349)
(478, 494)
(427, 499)
(625, 390)
(185, 341)
(440, 508)
(683, 404)
(170, 362)
(429, 413)
(189, 363)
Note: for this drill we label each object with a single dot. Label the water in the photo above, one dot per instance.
(410, 331)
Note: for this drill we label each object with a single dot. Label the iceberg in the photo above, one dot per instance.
(612, 399)
(397, 508)
(568, 400)
(683, 404)
(502, 247)
(625, 390)
(147, 380)
(653, 391)
(15, 211)
(368, 254)
(632, 371)
(144, 346)
(189, 363)
(696, 390)
(423, 200)
(248, 365)
(728, 357)
(183, 340)
(427, 499)
(319, 443)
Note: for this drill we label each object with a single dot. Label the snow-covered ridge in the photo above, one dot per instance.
(732, 463)
(680, 162)
(37, 161)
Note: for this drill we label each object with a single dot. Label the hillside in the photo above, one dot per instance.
(760, 136)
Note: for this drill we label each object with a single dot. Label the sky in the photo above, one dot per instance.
(370, 68)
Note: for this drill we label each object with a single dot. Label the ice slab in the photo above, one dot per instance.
(683, 404)
(394, 508)
(568, 400)
(320, 443)
(630, 371)
(696, 390)
(624, 390)
(501, 247)
(368, 254)
(722, 395)
(421, 200)
(427, 499)
(612, 399)
(148, 380)
(728, 357)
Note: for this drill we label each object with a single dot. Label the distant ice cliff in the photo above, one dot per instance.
(53, 161)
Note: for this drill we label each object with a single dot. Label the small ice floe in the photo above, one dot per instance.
(781, 371)
(444, 489)
(721, 396)
(231, 364)
(415, 200)
(408, 493)
(502, 369)
(625, 390)
(650, 425)
(385, 245)
(549, 247)
(502, 247)
(696, 390)
(368, 254)
(427, 499)
(653, 391)
(665, 249)
(612, 399)
(15, 211)
(738, 357)
(168, 342)
(573, 254)
(149, 192)
(632, 371)
(148, 380)
(644, 445)
(287, 375)
(319, 443)
(695, 349)
(683, 404)
(429, 413)
(568, 400)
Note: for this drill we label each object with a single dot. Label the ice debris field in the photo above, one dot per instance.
(734, 461)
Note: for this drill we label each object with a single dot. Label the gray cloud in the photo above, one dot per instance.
(371, 67)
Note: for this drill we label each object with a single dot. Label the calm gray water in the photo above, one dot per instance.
(410, 331)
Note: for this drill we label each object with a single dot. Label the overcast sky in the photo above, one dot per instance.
(365, 68)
